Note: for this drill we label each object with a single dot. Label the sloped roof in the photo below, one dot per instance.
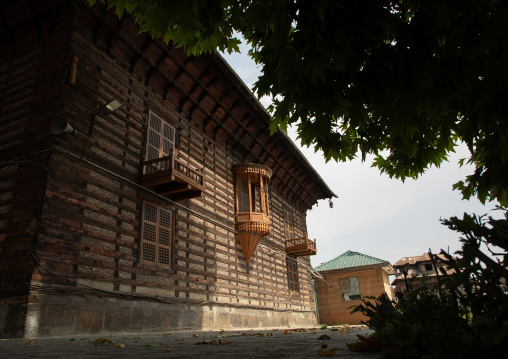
(425, 257)
(351, 259)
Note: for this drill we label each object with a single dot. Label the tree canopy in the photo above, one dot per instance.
(403, 80)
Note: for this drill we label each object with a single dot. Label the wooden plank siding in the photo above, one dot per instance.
(33, 57)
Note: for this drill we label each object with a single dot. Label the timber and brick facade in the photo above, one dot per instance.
(124, 221)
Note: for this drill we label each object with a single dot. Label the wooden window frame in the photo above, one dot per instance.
(289, 224)
(242, 192)
(157, 233)
(293, 279)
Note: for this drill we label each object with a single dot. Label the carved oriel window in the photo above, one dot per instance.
(156, 235)
(252, 220)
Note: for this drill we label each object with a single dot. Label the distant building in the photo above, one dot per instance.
(416, 269)
(348, 278)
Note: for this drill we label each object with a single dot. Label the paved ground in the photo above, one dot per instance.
(278, 343)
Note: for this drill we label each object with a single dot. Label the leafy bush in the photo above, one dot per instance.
(464, 315)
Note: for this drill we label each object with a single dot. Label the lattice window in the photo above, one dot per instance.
(293, 283)
(289, 228)
(156, 235)
(161, 136)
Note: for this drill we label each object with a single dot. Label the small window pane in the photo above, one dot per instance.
(149, 232)
(355, 286)
(148, 252)
(344, 285)
(243, 196)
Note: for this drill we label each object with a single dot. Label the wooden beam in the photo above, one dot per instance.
(172, 187)
(182, 196)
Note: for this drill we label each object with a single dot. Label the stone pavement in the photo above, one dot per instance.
(278, 343)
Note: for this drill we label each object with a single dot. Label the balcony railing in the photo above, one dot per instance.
(171, 177)
(302, 246)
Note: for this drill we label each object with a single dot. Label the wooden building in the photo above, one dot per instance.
(140, 189)
(418, 271)
(347, 279)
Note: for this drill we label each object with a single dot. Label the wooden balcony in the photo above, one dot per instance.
(171, 178)
(301, 247)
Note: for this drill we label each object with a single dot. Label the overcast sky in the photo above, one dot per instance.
(376, 215)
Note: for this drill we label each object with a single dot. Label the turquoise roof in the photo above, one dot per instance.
(349, 259)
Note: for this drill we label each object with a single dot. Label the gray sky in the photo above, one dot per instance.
(376, 215)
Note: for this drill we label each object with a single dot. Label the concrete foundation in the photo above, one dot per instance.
(54, 315)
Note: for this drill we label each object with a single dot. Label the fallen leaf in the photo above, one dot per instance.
(120, 345)
(102, 341)
(324, 337)
(167, 334)
(327, 353)
(214, 342)
(167, 350)
(323, 345)
(343, 331)
(339, 329)
(195, 335)
(222, 331)
(365, 344)
(30, 342)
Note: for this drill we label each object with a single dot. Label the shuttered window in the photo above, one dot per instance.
(156, 235)
(293, 283)
(289, 230)
(160, 137)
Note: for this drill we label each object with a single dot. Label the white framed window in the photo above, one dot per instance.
(156, 235)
